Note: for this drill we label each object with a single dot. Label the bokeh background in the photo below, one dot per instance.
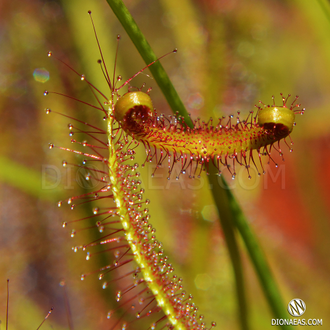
(231, 55)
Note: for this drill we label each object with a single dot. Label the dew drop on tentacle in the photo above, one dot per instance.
(153, 326)
(109, 314)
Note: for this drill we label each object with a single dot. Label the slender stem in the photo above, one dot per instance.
(228, 226)
(29, 180)
(257, 256)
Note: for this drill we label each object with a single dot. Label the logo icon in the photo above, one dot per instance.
(296, 307)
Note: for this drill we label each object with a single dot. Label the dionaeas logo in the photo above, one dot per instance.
(296, 307)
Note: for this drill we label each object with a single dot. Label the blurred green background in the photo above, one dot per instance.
(231, 55)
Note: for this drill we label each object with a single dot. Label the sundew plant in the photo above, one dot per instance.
(170, 241)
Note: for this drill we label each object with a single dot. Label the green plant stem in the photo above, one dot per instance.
(227, 221)
(257, 256)
(28, 180)
(231, 216)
